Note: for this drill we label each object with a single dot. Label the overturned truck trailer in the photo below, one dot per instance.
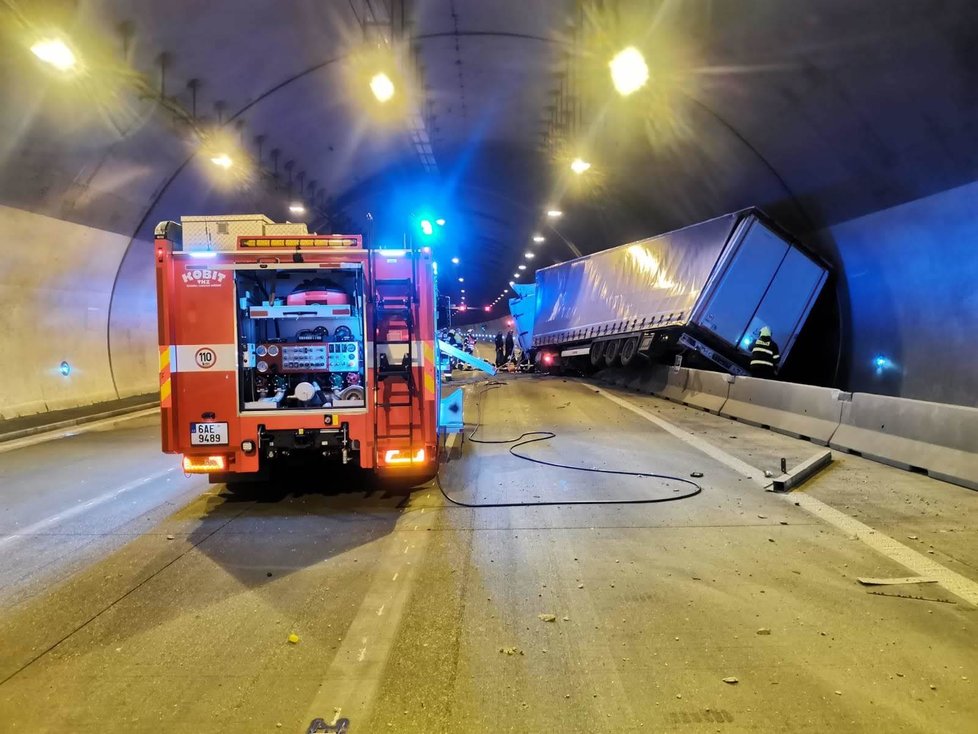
(708, 288)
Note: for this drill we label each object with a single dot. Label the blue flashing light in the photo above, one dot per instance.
(882, 363)
(440, 222)
(455, 261)
(65, 369)
(746, 342)
(427, 228)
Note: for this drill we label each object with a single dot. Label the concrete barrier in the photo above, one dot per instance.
(939, 439)
(665, 382)
(706, 390)
(803, 411)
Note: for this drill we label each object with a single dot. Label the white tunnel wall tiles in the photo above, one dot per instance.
(55, 292)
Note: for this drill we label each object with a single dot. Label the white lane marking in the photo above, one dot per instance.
(709, 449)
(22, 443)
(892, 549)
(79, 509)
(353, 688)
(895, 551)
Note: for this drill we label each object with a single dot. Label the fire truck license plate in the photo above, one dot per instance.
(208, 434)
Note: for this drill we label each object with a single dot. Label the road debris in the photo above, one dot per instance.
(510, 651)
(547, 617)
(731, 680)
(170, 537)
(293, 638)
(763, 631)
(696, 474)
(910, 596)
(866, 581)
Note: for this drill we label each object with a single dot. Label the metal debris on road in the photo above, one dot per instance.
(696, 474)
(731, 680)
(866, 581)
(909, 596)
(763, 631)
(547, 617)
(170, 537)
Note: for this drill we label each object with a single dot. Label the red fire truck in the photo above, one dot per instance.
(279, 347)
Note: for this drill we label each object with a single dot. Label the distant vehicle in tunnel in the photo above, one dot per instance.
(707, 289)
(277, 345)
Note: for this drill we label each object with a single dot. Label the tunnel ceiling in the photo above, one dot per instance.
(817, 111)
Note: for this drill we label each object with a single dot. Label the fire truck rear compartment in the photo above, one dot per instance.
(300, 339)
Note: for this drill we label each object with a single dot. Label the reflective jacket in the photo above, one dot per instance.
(765, 355)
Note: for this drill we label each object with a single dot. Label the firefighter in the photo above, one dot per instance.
(765, 355)
(510, 345)
(499, 348)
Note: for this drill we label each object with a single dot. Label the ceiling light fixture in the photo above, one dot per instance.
(296, 207)
(554, 213)
(382, 87)
(539, 238)
(222, 159)
(529, 255)
(55, 52)
(579, 166)
(629, 72)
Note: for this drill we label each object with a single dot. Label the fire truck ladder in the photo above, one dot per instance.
(394, 302)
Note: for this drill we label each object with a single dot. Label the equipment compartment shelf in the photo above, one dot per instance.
(315, 311)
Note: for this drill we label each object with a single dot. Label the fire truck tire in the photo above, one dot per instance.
(611, 352)
(629, 351)
(597, 353)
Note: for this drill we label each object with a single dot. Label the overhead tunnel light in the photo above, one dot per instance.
(55, 52)
(222, 160)
(554, 213)
(579, 166)
(382, 87)
(629, 72)
(522, 267)
(529, 255)
(538, 238)
(297, 208)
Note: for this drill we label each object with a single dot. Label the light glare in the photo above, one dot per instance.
(539, 238)
(223, 160)
(629, 72)
(554, 213)
(579, 166)
(455, 261)
(382, 87)
(54, 52)
(297, 208)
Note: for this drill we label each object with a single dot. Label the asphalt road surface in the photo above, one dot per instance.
(134, 599)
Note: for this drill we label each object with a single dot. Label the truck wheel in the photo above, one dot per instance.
(629, 351)
(611, 352)
(597, 353)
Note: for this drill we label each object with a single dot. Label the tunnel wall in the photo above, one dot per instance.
(911, 272)
(55, 292)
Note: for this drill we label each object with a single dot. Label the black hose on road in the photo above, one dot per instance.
(529, 437)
